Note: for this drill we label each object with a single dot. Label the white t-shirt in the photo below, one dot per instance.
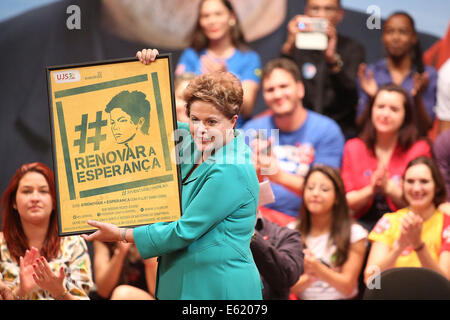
(321, 290)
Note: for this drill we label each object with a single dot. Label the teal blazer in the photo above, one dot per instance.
(206, 253)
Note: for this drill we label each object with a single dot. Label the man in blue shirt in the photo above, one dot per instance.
(291, 139)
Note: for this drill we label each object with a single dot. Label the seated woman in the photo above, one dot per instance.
(373, 163)
(34, 262)
(402, 66)
(121, 273)
(417, 235)
(335, 246)
(218, 45)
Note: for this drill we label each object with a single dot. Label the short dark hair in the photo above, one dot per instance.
(338, 1)
(440, 193)
(284, 64)
(407, 134)
(417, 53)
(133, 103)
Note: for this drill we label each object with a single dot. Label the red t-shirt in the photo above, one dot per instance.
(358, 164)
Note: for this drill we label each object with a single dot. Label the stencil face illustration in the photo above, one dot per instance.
(129, 115)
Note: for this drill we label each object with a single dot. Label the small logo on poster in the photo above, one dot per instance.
(67, 76)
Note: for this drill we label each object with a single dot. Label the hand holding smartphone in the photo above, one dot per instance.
(312, 34)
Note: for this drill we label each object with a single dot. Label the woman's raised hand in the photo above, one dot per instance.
(47, 279)
(26, 262)
(367, 80)
(146, 56)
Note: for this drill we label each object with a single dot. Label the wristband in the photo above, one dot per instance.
(124, 234)
(420, 247)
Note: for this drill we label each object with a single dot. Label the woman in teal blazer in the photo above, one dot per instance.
(206, 253)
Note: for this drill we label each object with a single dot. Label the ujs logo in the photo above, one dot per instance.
(67, 76)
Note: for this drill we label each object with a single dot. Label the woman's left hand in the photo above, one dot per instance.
(310, 263)
(420, 83)
(47, 279)
(147, 56)
(106, 232)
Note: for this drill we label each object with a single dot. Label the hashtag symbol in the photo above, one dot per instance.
(98, 136)
(83, 132)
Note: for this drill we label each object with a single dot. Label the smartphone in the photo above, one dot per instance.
(316, 38)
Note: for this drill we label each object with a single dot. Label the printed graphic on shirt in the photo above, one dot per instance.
(382, 225)
(295, 159)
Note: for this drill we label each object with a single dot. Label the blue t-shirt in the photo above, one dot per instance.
(382, 76)
(245, 65)
(318, 140)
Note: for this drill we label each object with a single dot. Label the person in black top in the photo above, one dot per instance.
(329, 75)
(278, 254)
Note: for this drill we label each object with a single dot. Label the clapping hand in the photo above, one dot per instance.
(367, 80)
(47, 279)
(27, 282)
(411, 229)
(420, 83)
(311, 263)
(265, 161)
(209, 64)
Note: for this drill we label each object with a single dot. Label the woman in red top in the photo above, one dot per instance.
(373, 164)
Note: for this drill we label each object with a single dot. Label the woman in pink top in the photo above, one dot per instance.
(373, 164)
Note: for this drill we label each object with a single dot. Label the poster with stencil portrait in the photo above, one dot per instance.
(112, 126)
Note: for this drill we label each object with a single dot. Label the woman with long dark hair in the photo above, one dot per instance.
(34, 262)
(374, 162)
(219, 45)
(417, 235)
(403, 66)
(335, 246)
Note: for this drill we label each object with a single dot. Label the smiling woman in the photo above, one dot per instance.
(218, 45)
(374, 162)
(414, 236)
(206, 253)
(213, 104)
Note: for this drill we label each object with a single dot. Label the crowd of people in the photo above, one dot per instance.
(360, 186)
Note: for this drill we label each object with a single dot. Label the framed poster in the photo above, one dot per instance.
(112, 126)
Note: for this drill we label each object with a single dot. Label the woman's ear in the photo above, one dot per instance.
(234, 120)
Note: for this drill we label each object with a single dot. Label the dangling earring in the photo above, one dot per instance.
(232, 22)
